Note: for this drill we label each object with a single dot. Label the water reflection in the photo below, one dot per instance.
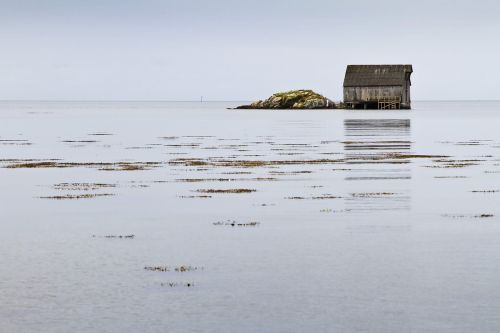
(380, 177)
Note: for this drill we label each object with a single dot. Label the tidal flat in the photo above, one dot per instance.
(189, 217)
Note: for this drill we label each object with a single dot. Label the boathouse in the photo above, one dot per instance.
(377, 86)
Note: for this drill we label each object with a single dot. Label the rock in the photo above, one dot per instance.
(295, 99)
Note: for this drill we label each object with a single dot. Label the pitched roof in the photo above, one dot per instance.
(376, 75)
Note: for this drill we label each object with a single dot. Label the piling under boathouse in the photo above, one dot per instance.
(377, 86)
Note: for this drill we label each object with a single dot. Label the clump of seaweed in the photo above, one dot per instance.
(233, 223)
(195, 196)
(250, 163)
(478, 216)
(131, 166)
(106, 166)
(157, 268)
(200, 180)
(115, 236)
(79, 141)
(17, 160)
(325, 196)
(140, 186)
(328, 210)
(450, 177)
(189, 162)
(471, 143)
(452, 165)
(394, 158)
(82, 186)
(15, 142)
(185, 268)
(45, 164)
(237, 173)
(230, 191)
(139, 147)
(371, 194)
(485, 191)
(177, 284)
(77, 196)
(100, 134)
(179, 269)
(183, 145)
(319, 197)
(290, 154)
(283, 173)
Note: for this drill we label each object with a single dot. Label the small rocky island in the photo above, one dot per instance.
(295, 99)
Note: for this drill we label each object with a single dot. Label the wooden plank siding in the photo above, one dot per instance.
(372, 86)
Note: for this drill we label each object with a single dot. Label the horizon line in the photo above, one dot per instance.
(207, 101)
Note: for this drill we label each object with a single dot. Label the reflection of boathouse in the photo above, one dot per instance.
(376, 152)
(377, 86)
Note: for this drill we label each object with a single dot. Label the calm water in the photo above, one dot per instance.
(367, 221)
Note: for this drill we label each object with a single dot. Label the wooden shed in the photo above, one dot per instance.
(377, 86)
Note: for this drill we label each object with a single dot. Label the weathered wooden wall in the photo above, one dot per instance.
(372, 94)
(406, 94)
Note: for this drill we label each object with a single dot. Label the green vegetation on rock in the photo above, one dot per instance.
(295, 99)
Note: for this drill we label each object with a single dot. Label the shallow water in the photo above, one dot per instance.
(366, 221)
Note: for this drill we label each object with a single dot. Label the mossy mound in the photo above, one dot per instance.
(295, 99)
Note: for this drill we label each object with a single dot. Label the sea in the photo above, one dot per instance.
(193, 217)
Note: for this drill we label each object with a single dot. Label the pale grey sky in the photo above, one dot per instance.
(242, 50)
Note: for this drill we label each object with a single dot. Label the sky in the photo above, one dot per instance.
(242, 50)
